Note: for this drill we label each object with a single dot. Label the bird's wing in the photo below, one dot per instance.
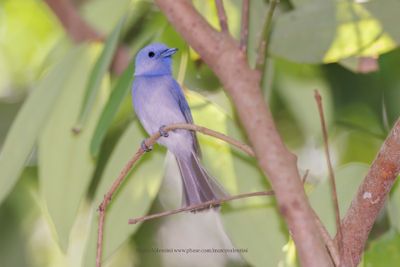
(184, 107)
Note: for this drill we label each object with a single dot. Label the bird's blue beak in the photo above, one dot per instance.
(168, 52)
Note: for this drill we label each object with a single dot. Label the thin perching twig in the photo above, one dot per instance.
(244, 31)
(220, 52)
(149, 142)
(206, 204)
(264, 38)
(324, 233)
(329, 242)
(223, 21)
(318, 99)
(107, 199)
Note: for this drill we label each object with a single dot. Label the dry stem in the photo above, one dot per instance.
(221, 52)
(223, 21)
(149, 142)
(318, 99)
(244, 31)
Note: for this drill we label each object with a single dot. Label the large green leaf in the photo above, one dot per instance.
(104, 14)
(384, 251)
(65, 164)
(18, 210)
(298, 3)
(22, 59)
(134, 197)
(295, 84)
(240, 174)
(306, 33)
(359, 33)
(31, 119)
(393, 207)
(96, 76)
(390, 81)
(250, 222)
(118, 94)
(387, 12)
(348, 179)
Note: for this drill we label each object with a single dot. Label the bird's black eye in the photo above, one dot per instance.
(151, 54)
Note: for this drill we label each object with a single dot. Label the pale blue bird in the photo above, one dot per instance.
(158, 101)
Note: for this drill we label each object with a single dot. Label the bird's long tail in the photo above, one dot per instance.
(198, 185)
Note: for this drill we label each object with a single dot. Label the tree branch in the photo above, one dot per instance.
(80, 31)
(244, 31)
(149, 142)
(264, 38)
(223, 21)
(222, 54)
(370, 198)
(318, 99)
(207, 204)
(210, 204)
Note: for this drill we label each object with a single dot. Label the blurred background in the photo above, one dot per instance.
(67, 128)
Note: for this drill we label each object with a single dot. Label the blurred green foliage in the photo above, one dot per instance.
(51, 180)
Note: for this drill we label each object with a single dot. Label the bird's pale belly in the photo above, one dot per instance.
(156, 114)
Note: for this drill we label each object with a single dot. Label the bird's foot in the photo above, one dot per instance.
(145, 147)
(163, 132)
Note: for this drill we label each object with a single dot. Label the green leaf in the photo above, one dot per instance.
(384, 251)
(103, 14)
(117, 96)
(305, 34)
(23, 60)
(295, 85)
(240, 174)
(358, 33)
(393, 206)
(31, 119)
(298, 3)
(121, 88)
(134, 197)
(348, 179)
(97, 74)
(387, 12)
(65, 164)
(390, 82)
(259, 214)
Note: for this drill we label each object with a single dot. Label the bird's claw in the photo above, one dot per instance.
(163, 132)
(145, 147)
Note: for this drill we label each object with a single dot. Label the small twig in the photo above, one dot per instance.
(258, 124)
(324, 233)
(329, 242)
(206, 204)
(244, 32)
(149, 142)
(370, 199)
(107, 199)
(304, 179)
(223, 21)
(318, 99)
(245, 148)
(264, 38)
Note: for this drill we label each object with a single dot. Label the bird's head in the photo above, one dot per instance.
(154, 59)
